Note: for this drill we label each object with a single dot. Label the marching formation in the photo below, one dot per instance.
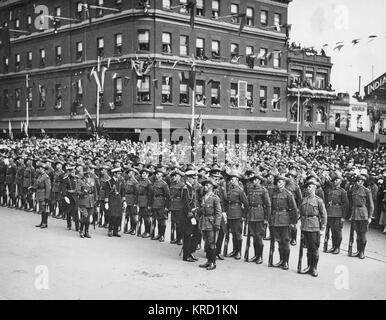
(262, 197)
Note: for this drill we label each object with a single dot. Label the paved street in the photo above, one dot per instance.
(136, 268)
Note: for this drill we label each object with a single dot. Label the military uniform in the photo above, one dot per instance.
(10, 183)
(176, 207)
(28, 180)
(43, 195)
(294, 188)
(284, 213)
(131, 188)
(313, 217)
(337, 209)
(160, 202)
(19, 183)
(101, 200)
(362, 209)
(259, 209)
(3, 171)
(70, 192)
(220, 191)
(57, 187)
(87, 193)
(145, 194)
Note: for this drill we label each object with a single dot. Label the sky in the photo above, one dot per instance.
(315, 23)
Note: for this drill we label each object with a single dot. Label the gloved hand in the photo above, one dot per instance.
(106, 205)
(193, 221)
(66, 199)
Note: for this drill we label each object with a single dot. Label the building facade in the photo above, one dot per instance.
(145, 59)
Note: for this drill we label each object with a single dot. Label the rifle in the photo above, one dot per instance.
(351, 240)
(326, 238)
(271, 249)
(300, 252)
(246, 254)
(226, 241)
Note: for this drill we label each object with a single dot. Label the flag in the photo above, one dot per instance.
(192, 79)
(339, 47)
(26, 129)
(115, 75)
(372, 38)
(191, 6)
(10, 129)
(277, 27)
(355, 41)
(86, 8)
(89, 122)
(243, 17)
(5, 43)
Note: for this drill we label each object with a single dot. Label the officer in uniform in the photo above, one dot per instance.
(361, 213)
(284, 214)
(237, 206)
(145, 194)
(20, 167)
(209, 222)
(57, 187)
(3, 171)
(337, 209)
(10, 182)
(176, 187)
(43, 193)
(87, 194)
(71, 197)
(189, 225)
(295, 189)
(160, 203)
(101, 197)
(313, 217)
(115, 201)
(259, 209)
(131, 188)
(28, 180)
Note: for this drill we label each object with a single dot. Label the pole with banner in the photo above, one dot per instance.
(26, 105)
(298, 116)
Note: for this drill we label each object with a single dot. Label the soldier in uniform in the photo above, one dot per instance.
(160, 203)
(176, 187)
(313, 217)
(101, 197)
(115, 201)
(71, 197)
(145, 194)
(57, 187)
(10, 182)
(28, 181)
(20, 167)
(284, 214)
(361, 213)
(189, 225)
(43, 193)
(259, 209)
(3, 171)
(209, 222)
(295, 189)
(237, 205)
(87, 193)
(131, 188)
(270, 186)
(337, 209)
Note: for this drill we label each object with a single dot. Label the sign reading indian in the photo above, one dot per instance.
(376, 84)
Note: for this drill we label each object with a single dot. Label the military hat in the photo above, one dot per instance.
(313, 181)
(233, 173)
(132, 169)
(40, 165)
(190, 173)
(160, 170)
(258, 176)
(176, 171)
(336, 175)
(216, 167)
(215, 174)
(292, 172)
(281, 177)
(209, 180)
(362, 176)
(206, 169)
(145, 170)
(118, 169)
(70, 166)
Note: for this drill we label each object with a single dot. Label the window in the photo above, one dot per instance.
(321, 80)
(216, 49)
(235, 57)
(17, 62)
(17, 23)
(5, 64)
(276, 59)
(118, 91)
(250, 95)
(235, 11)
(17, 98)
(143, 89)
(184, 45)
(79, 93)
(215, 8)
(263, 97)
(250, 57)
(166, 42)
(29, 59)
(166, 89)
(296, 77)
(58, 96)
(79, 10)
(144, 40)
(99, 12)
(308, 113)
(58, 54)
(29, 21)
(6, 99)
(264, 17)
(310, 78)
(277, 19)
(249, 50)
(29, 97)
(200, 45)
(166, 4)
(250, 17)
(320, 114)
(276, 99)
(234, 95)
(42, 57)
(200, 8)
(294, 112)
(58, 11)
(118, 44)
(263, 56)
(215, 94)
(183, 9)
(200, 92)
(79, 51)
(100, 47)
(42, 96)
(184, 90)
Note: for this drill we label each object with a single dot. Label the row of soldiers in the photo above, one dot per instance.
(204, 203)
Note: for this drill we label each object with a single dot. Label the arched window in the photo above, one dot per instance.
(308, 113)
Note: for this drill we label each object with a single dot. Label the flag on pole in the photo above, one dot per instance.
(191, 6)
(192, 79)
(243, 17)
(10, 130)
(89, 122)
